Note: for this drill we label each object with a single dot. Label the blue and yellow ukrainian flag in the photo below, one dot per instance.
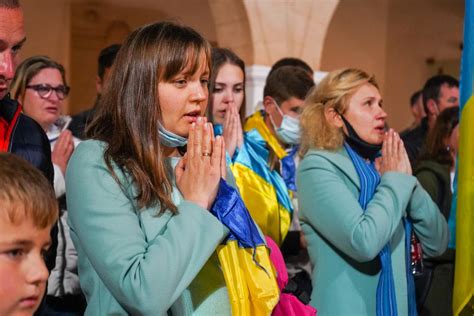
(463, 298)
(263, 191)
(245, 260)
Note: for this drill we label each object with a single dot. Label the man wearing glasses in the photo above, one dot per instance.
(19, 134)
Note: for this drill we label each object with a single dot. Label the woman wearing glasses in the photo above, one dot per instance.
(40, 86)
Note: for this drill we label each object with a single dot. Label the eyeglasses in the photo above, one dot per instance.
(45, 90)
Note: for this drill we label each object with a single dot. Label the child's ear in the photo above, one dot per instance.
(269, 105)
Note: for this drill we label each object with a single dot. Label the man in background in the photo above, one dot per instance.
(439, 92)
(417, 110)
(105, 62)
(19, 134)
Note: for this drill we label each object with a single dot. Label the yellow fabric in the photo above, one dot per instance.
(463, 298)
(260, 199)
(256, 121)
(252, 290)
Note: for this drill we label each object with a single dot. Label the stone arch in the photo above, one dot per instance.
(233, 32)
(262, 32)
(95, 26)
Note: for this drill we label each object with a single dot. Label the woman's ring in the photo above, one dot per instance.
(206, 154)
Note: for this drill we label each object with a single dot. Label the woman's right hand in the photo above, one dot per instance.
(232, 133)
(394, 156)
(63, 150)
(198, 173)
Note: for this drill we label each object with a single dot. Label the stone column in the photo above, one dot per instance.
(264, 31)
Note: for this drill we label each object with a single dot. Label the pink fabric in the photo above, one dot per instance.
(288, 305)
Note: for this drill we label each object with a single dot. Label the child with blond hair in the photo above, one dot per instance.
(28, 210)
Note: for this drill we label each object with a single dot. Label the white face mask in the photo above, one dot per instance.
(289, 130)
(170, 139)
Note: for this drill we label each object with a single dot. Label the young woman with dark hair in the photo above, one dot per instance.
(139, 208)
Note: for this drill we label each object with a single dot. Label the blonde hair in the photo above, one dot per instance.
(334, 91)
(25, 193)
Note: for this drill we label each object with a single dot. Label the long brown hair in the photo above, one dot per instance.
(435, 145)
(129, 109)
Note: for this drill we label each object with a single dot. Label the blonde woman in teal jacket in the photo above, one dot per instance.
(359, 202)
(138, 209)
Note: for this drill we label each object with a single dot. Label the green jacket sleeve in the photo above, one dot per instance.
(429, 182)
(331, 207)
(429, 224)
(144, 276)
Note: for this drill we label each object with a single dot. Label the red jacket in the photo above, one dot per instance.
(24, 137)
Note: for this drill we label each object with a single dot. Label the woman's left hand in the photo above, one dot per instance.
(394, 156)
(199, 172)
(63, 150)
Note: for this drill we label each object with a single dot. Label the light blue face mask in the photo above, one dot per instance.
(289, 130)
(170, 139)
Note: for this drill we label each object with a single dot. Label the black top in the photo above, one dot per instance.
(414, 140)
(28, 139)
(79, 122)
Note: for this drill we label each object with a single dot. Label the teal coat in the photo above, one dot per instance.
(343, 241)
(132, 261)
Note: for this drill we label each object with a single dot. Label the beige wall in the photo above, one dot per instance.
(392, 39)
(94, 27)
(357, 38)
(73, 32)
(416, 31)
(47, 27)
(97, 25)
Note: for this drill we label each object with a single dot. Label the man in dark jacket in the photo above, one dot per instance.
(439, 92)
(19, 134)
(105, 61)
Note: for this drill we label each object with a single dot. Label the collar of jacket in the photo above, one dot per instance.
(341, 160)
(8, 108)
(256, 121)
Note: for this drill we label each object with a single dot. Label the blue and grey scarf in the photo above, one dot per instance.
(386, 298)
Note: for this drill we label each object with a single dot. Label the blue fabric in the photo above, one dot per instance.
(410, 281)
(254, 155)
(288, 169)
(250, 155)
(452, 213)
(231, 211)
(386, 303)
(218, 129)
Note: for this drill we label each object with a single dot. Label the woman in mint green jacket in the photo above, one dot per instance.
(138, 209)
(359, 202)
